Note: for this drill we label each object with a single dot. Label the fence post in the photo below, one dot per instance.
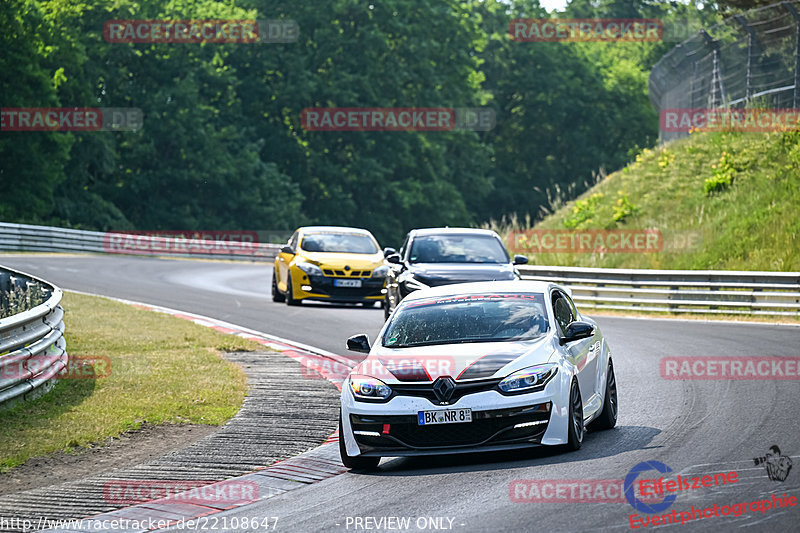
(750, 38)
(716, 75)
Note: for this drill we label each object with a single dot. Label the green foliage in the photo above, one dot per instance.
(623, 208)
(20, 299)
(723, 173)
(583, 212)
(222, 145)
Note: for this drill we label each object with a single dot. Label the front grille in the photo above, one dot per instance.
(486, 428)
(324, 285)
(425, 390)
(344, 273)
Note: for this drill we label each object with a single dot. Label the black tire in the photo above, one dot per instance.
(575, 429)
(290, 300)
(358, 462)
(277, 296)
(608, 416)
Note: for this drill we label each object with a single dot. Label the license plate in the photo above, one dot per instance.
(444, 416)
(347, 283)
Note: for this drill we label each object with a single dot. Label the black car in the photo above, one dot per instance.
(441, 256)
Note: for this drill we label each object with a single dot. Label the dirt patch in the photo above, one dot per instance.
(129, 449)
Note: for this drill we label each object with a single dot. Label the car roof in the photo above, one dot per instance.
(332, 229)
(451, 231)
(481, 287)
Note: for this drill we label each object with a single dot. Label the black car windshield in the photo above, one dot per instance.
(457, 249)
(351, 243)
(468, 318)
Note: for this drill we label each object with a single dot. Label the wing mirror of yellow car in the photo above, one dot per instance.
(389, 251)
(358, 343)
(394, 259)
(287, 250)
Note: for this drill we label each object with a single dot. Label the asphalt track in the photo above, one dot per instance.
(695, 427)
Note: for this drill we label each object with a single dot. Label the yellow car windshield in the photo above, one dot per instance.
(351, 243)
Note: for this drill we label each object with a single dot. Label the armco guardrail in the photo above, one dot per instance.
(28, 238)
(677, 291)
(32, 346)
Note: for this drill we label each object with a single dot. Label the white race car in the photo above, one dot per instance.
(477, 367)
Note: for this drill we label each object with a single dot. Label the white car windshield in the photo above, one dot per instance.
(467, 318)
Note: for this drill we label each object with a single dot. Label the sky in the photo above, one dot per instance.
(550, 5)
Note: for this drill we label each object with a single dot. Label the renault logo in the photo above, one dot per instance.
(443, 388)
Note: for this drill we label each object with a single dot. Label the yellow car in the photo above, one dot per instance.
(332, 264)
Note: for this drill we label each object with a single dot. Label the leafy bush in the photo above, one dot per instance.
(724, 172)
(21, 299)
(583, 211)
(623, 208)
(665, 158)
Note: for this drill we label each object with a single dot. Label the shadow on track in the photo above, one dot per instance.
(337, 305)
(595, 445)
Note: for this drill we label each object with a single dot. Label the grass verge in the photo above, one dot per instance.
(164, 370)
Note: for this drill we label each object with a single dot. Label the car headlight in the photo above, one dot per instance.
(528, 379)
(366, 388)
(308, 268)
(380, 272)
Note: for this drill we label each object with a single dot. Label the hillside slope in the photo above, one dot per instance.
(720, 200)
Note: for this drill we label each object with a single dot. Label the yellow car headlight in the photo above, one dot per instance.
(308, 268)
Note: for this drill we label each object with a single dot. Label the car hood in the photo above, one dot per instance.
(340, 260)
(476, 360)
(434, 274)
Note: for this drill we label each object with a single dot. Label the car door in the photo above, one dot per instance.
(580, 353)
(283, 263)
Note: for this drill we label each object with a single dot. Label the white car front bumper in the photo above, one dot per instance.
(499, 422)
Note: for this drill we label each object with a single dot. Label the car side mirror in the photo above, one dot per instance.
(389, 251)
(577, 330)
(520, 260)
(394, 259)
(358, 343)
(287, 250)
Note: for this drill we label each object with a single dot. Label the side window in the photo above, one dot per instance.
(403, 248)
(293, 240)
(562, 310)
